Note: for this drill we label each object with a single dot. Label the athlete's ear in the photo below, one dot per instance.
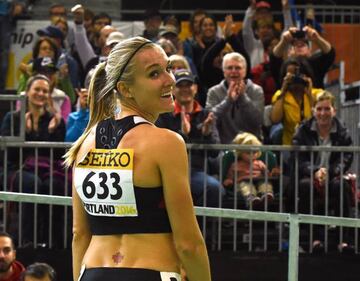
(123, 89)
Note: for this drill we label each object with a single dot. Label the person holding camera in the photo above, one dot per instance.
(296, 43)
(293, 102)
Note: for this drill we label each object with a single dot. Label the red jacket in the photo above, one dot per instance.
(18, 268)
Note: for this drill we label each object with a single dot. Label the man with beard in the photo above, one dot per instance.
(10, 269)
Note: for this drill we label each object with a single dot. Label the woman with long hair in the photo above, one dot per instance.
(133, 217)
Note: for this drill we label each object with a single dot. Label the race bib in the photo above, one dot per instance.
(104, 182)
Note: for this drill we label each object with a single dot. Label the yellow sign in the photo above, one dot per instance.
(108, 159)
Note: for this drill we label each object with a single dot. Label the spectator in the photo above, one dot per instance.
(195, 38)
(167, 46)
(261, 74)
(173, 21)
(87, 19)
(250, 173)
(195, 125)
(237, 102)
(170, 32)
(77, 121)
(179, 62)
(112, 39)
(62, 24)
(293, 102)
(324, 129)
(39, 272)
(258, 21)
(208, 35)
(57, 11)
(46, 47)
(10, 268)
(296, 43)
(9, 12)
(258, 27)
(152, 22)
(40, 125)
(98, 22)
(88, 57)
(68, 66)
(211, 64)
(94, 59)
(59, 103)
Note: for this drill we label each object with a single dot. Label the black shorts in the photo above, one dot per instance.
(127, 274)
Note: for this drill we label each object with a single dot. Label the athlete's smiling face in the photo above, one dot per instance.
(153, 81)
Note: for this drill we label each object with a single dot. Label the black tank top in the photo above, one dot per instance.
(152, 214)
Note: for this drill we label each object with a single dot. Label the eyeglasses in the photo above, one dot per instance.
(233, 67)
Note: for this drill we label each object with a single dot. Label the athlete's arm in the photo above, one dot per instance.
(189, 243)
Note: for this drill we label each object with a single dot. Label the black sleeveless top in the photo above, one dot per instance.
(152, 214)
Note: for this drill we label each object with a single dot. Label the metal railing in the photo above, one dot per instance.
(227, 233)
(294, 220)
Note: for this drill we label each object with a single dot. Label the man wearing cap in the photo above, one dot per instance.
(296, 43)
(195, 125)
(170, 32)
(67, 65)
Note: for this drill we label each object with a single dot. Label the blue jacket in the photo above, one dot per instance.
(76, 124)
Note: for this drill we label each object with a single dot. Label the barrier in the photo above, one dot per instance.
(293, 219)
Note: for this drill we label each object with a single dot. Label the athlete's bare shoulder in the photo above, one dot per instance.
(160, 136)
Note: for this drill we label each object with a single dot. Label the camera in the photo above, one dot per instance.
(298, 34)
(298, 78)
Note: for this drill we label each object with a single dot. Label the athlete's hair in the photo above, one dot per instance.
(103, 94)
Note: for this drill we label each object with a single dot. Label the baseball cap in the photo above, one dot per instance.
(114, 37)
(51, 31)
(168, 29)
(44, 65)
(263, 5)
(184, 75)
